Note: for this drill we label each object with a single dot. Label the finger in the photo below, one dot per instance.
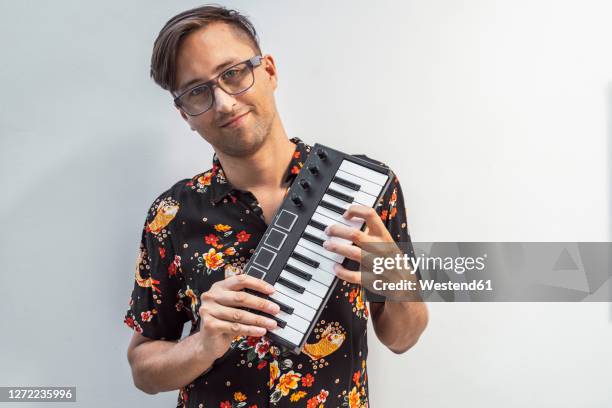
(214, 325)
(348, 251)
(349, 276)
(242, 281)
(351, 234)
(245, 299)
(369, 215)
(232, 314)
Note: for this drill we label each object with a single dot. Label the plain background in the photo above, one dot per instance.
(495, 114)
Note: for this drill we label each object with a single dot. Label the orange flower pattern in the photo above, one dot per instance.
(357, 396)
(356, 297)
(203, 230)
(213, 260)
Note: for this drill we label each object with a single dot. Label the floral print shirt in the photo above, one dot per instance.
(202, 230)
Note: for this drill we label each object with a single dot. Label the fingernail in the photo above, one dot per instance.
(327, 230)
(325, 244)
(272, 324)
(273, 307)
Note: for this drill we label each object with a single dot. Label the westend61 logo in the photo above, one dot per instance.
(458, 264)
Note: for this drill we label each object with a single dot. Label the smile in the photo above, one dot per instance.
(235, 122)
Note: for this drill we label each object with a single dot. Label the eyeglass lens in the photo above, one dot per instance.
(233, 81)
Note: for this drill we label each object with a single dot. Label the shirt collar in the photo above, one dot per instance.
(220, 187)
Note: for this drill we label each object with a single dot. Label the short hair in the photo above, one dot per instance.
(169, 39)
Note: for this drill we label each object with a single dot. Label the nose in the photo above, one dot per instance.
(224, 102)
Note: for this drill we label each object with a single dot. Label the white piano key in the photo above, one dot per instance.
(310, 285)
(305, 297)
(299, 308)
(353, 223)
(324, 252)
(325, 264)
(323, 219)
(289, 333)
(328, 221)
(294, 321)
(364, 172)
(360, 197)
(320, 234)
(321, 276)
(342, 204)
(335, 201)
(366, 185)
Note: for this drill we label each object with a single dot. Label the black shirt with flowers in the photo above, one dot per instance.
(203, 230)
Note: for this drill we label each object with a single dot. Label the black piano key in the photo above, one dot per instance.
(346, 183)
(313, 239)
(280, 322)
(298, 272)
(317, 225)
(339, 195)
(305, 259)
(290, 285)
(332, 207)
(285, 308)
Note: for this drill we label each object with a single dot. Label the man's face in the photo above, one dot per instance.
(203, 55)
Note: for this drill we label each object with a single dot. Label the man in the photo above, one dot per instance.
(200, 233)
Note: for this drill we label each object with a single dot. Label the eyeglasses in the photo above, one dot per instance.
(233, 81)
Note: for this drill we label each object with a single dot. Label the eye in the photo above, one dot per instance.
(196, 91)
(230, 73)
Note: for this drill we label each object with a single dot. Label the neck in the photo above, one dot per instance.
(265, 167)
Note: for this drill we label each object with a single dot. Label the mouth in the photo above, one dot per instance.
(234, 121)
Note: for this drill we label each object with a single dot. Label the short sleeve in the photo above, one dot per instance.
(393, 213)
(155, 307)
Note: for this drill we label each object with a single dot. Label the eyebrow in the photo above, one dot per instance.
(194, 81)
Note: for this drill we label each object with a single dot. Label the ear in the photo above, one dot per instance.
(270, 68)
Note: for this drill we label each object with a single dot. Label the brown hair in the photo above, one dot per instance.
(166, 46)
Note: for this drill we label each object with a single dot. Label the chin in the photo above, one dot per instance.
(240, 144)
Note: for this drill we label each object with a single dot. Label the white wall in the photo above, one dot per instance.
(495, 114)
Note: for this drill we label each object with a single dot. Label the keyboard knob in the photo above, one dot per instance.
(322, 154)
(314, 169)
(305, 184)
(297, 200)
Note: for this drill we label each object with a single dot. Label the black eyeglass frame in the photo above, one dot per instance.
(252, 63)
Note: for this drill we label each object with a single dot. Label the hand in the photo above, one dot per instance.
(375, 232)
(221, 318)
